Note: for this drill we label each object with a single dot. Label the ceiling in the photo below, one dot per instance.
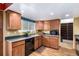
(45, 11)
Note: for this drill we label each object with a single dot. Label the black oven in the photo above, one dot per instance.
(29, 46)
(54, 32)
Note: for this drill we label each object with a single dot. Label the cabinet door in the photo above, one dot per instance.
(54, 24)
(13, 20)
(46, 41)
(54, 42)
(36, 43)
(39, 25)
(18, 50)
(46, 25)
(40, 41)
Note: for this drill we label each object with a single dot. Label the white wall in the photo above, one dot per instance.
(67, 20)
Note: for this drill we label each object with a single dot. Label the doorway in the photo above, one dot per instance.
(67, 34)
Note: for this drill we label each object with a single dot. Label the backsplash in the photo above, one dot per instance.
(13, 33)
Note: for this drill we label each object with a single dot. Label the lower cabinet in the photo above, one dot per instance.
(54, 42)
(51, 41)
(46, 41)
(16, 48)
(37, 42)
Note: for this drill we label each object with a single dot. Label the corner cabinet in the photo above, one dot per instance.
(51, 41)
(54, 42)
(46, 41)
(13, 20)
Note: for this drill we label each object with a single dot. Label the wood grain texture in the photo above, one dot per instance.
(46, 25)
(15, 48)
(1, 33)
(13, 20)
(37, 42)
(54, 24)
(39, 25)
(44, 51)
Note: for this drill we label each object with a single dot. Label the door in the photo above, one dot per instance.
(67, 31)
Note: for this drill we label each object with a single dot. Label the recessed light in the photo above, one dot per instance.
(41, 19)
(67, 15)
(22, 11)
(51, 13)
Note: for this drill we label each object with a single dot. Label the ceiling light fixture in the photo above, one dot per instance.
(67, 15)
(51, 13)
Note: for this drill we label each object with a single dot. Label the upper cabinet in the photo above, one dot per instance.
(54, 24)
(46, 25)
(13, 20)
(39, 25)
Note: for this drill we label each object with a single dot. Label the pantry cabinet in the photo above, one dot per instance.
(13, 20)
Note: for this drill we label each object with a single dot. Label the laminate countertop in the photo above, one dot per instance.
(51, 36)
(20, 38)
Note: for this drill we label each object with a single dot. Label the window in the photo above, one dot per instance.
(27, 25)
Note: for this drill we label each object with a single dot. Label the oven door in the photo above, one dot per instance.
(29, 46)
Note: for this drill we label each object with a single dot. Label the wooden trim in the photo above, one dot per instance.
(12, 11)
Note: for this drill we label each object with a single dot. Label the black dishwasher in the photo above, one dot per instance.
(29, 46)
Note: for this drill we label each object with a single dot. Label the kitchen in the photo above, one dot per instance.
(30, 41)
(29, 31)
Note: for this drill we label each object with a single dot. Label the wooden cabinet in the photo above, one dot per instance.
(54, 42)
(1, 33)
(46, 25)
(54, 24)
(39, 25)
(13, 20)
(51, 41)
(38, 42)
(16, 48)
(19, 50)
(46, 41)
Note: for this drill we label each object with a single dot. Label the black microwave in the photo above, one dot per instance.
(54, 32)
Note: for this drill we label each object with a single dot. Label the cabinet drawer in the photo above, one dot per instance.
(17, 43)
